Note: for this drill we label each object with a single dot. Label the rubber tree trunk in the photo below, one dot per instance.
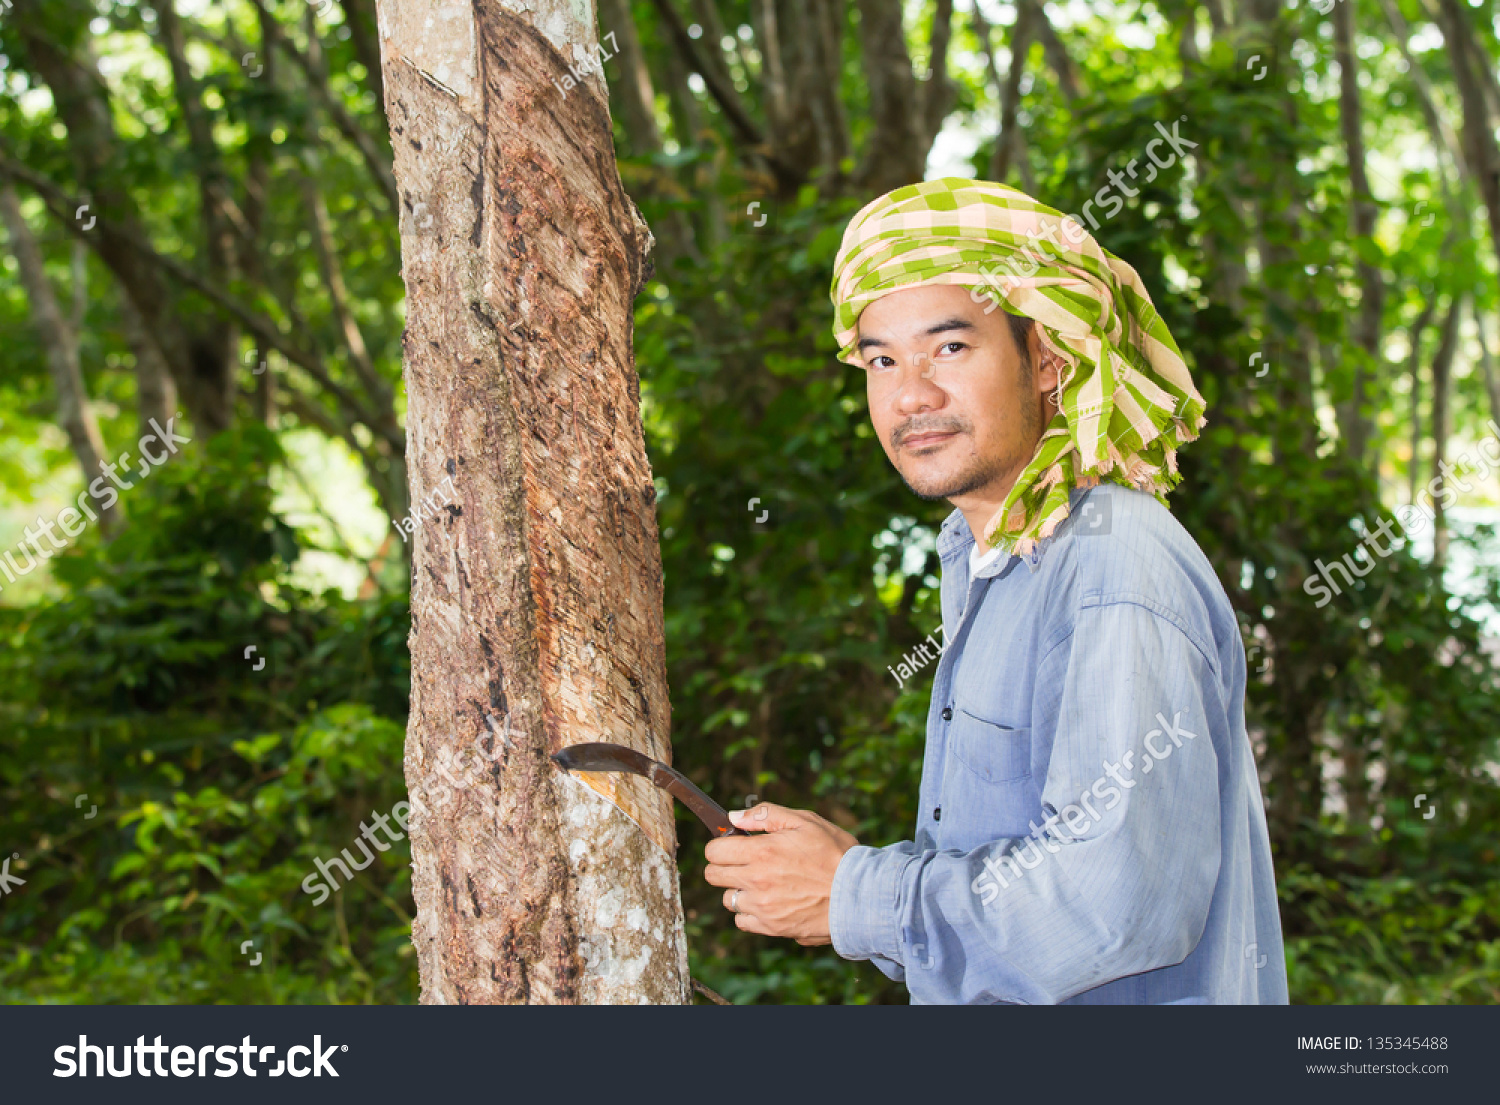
(536, 575)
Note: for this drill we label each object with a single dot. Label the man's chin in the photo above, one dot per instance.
(930, 496)
(933, 487)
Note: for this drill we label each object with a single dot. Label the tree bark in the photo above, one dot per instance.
(1218, 17)
(537, 590)
(1187, 40)
(812, 131)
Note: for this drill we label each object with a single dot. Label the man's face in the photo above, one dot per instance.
(951, 401)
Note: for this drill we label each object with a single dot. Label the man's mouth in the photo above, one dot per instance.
(927, 439)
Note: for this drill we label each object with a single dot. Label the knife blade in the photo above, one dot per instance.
(600, 756)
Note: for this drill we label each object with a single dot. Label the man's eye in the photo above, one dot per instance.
(882, 362)
(953, 345)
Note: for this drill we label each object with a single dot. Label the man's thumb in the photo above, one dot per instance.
(764, 818)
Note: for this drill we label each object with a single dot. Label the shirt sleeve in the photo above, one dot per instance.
(1118, 883)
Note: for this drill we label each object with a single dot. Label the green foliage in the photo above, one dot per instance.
(1397, 940)
(216, 785)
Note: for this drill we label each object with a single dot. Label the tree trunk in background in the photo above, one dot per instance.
(60, 341)
(1358, 425)
(1487, 363)
(536, 587)
(895, 153)
(767, 29)
(359, 17)
(637, 97)
(804, 134)
(1442, 371)
(1414, 371)
(78, 91)
(213, 341)
(1480, 148)
(1006, 147)
(829, 20)
(1056, 51)
(937, 90)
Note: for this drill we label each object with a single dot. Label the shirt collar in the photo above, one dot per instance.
(955, 539)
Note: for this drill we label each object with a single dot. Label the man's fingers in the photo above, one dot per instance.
(731, 851)
(765, 818)
(732, 877)
(742, 904)
(749, 922)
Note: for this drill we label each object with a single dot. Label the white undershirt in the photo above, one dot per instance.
(978, 561)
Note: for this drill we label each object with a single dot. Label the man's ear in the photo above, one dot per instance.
(1045, 363)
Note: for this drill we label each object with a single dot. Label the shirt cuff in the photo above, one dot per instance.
(863, 903)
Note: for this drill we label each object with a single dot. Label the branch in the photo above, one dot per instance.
(305, 408)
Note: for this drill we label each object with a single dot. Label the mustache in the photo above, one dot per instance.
(940, 424)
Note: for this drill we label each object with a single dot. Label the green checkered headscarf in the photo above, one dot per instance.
(1125, 399)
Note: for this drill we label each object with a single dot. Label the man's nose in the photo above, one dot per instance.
(917, 389)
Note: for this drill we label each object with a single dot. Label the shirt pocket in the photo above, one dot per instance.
(987, 787)
(993, 752)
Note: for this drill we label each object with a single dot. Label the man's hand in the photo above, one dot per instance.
(784, 878)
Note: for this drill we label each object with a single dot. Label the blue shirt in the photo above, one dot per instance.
(1091, 828)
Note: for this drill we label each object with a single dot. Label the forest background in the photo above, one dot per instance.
(204, 690)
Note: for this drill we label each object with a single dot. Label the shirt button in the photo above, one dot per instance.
(947, 713)
(937, 814)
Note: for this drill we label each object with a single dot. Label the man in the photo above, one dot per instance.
(1091, 827)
